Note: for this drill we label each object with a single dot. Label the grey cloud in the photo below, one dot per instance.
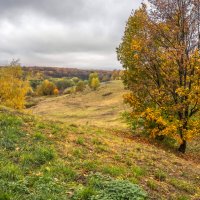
(75, 33)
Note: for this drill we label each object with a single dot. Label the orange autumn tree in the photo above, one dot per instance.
(47, 88)
(160, 53)
(13, 86)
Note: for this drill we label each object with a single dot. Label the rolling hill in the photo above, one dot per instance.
(77, 147)
(101, 108)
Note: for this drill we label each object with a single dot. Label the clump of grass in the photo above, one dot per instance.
(44, 154)
(113, 170)
(10, 172)
(80, 141)
(47, 187)
(183, 185)
(84, 193)
(96, 141)
(117, 157)
(101, 148)
(160, 175)
(9, 140)
(38, 136)
(27, 159)
(152, 185)
(128, 162)
(73, 128)
(133, 180)
(61, 171)
(10, 133)
(40, 125)
(4, 196)
(55, 128)
(90, 165)
(38, 156)
(78, 153)
(183, 198)
(138, 171)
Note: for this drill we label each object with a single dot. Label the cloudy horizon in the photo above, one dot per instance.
(79, 33)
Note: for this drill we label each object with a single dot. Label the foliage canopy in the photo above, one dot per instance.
(160, 52)
(93, 81)
(13, 86)
(47, 88)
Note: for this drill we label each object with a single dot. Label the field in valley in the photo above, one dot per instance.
(102, 108)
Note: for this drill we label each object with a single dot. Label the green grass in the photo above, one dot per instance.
(152, 184)
(100, 187)
(42, 160)
(113, 170)
(138, 171)
(25, 156)
(160, 175)
(183, 185)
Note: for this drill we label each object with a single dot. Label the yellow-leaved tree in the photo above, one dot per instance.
(47, 88)
(94, 81)
(13, 86)
(160, 54)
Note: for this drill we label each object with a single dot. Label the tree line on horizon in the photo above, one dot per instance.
(17, 84)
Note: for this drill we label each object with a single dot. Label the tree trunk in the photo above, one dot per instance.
(182, 147)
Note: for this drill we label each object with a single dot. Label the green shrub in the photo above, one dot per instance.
(101, 187)
(80, 86)
(93, 81)
(64, 83)
(70, 90)
(120, 190)
(46, 88)
(75, 80)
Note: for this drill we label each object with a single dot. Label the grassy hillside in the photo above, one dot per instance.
(102, 107)
(77, 147)
(43, 160)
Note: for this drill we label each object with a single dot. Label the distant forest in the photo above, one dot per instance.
(56, 72)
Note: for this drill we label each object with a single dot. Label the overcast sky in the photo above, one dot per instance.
(65, 33)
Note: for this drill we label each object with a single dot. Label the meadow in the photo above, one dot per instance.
(92, 137)
(102, 107)
(44, 159)
(78, 146)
